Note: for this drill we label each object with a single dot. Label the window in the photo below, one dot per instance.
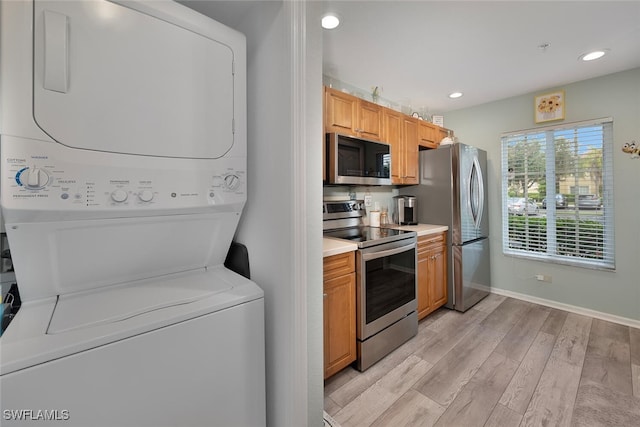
(557, 194)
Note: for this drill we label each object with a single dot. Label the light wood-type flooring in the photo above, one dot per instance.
(504, 362)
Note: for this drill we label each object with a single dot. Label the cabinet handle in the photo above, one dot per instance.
(324, 295)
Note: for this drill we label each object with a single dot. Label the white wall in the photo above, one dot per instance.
(273, 224)
(618, 96)
(282, 221)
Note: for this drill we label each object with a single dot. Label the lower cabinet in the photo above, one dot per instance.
(339, 312)
(432, 273)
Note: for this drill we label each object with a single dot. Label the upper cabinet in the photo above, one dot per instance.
(353, 116)
(409, 153)
(428, 135)
(349, 115)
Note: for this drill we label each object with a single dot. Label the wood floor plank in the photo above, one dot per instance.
(489, 303)
(506, 315)
(375, 400)
(475, 402)
(361, 381)
(411, 409)
(518, 340)
(634, 341)
(608, 362)
(554, 322)
(330, 406)
(439, 344)
(336, 381)
(571, 344)
(597, 405)
(434, 320)
(610, 330)
(519, 391)
(503, 417)
(553, 399)
(635, 379)
(451, 373)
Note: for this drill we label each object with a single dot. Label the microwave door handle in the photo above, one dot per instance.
(388, 252)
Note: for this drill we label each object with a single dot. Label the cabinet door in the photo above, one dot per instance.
(392, 126)
(410, 148)
(369, 120)
(340, 112)
(438, 277)
(423, 282)
(339, 323)
(427, 135)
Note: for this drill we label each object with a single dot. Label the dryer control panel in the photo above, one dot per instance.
(51, 177)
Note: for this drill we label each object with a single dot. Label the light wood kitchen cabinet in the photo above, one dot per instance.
(353, 116)
(392, 126)
(350, 115)
(401, 132)
(339, 312)
(428, 135)
(409, 150)
(432, 273)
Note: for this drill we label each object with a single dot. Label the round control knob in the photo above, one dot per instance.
(145, 196)
(119, 195)
(231, 181)
(33, 178)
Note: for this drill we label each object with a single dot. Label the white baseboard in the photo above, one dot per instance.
(568, 307)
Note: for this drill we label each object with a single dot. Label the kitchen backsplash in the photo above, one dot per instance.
(382, 195)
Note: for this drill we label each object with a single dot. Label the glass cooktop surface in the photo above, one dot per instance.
(366, 236)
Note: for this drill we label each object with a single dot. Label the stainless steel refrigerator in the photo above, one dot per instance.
(453, 191)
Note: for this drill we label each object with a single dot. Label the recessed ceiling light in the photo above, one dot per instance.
(330, 21)
(455, 95)
(596, 54)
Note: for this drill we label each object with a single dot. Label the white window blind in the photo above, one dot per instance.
(557, 194)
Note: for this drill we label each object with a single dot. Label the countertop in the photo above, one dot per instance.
(333, 246)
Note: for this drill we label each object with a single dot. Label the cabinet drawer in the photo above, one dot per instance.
(429, 241)
(339, 265)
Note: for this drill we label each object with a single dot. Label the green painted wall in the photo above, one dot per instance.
(618, 96)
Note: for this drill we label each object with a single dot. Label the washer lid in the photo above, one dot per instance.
(111, 78)
(118, 303)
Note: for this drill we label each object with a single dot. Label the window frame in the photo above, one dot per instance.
(608, 261)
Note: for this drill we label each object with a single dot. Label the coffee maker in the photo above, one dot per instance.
(406, 210)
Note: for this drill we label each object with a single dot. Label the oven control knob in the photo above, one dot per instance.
(33, 178)
(119, 195)
(231, 181)
(145, 196)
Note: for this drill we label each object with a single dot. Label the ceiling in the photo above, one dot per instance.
(420, 51)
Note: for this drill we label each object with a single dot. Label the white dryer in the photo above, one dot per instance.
(123, 178)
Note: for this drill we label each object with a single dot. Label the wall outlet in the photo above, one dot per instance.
(367, 200)
(543, 278)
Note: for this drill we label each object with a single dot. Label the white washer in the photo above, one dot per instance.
(123, 159)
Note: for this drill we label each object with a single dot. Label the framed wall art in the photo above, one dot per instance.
(549, 107)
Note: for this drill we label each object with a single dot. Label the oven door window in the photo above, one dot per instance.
(390, 283)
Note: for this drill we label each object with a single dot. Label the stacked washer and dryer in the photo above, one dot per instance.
(123, 178)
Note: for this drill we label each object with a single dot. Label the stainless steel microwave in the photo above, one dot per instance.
(357, 161)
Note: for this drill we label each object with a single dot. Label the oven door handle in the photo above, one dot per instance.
(388, 252)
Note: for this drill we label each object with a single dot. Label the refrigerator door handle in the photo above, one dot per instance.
(476, 193)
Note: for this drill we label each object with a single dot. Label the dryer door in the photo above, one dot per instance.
(111, 78)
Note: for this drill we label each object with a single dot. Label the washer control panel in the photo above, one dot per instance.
(50, 177)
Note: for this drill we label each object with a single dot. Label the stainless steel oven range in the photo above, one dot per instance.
(386, 280)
